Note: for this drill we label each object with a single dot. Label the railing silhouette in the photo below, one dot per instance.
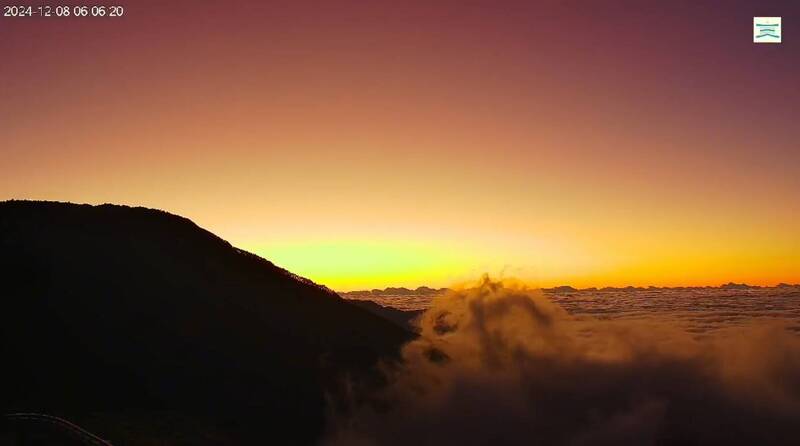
(35, 429)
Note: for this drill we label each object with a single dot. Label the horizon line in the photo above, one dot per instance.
(596, 288)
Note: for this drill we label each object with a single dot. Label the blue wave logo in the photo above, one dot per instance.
(768, 30)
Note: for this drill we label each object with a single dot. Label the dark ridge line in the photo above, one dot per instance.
(188, 221)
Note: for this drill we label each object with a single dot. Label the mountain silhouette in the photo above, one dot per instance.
(139, 324)
(403, 318)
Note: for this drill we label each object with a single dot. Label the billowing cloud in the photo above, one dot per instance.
(502, 364)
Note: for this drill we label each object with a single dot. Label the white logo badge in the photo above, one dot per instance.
(767, 29)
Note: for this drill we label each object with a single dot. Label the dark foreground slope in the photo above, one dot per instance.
(406, 319)
(138, 323)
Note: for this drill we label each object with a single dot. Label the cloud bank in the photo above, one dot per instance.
(501, 364)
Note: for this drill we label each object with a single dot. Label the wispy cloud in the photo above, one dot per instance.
(501, 364)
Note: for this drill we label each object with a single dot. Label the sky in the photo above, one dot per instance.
(382, 143)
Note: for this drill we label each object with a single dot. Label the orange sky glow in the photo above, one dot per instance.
(384, 144)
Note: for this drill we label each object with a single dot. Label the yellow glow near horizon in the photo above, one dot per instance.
(342, 265)
(348, 265)
(366, 264)
(412, 150)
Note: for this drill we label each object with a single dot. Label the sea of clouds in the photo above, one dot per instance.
(499, 364)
